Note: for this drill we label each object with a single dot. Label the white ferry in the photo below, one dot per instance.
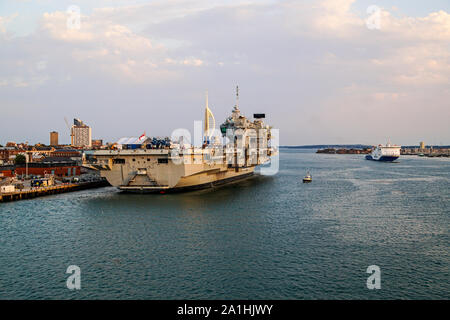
(385, 152)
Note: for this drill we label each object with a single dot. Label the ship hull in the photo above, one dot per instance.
(187, 188)
(382, 158)
(157, 171)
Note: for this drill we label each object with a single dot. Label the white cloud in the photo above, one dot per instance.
(315, 61)
(321, 18)
(4, 21)
(434, 27)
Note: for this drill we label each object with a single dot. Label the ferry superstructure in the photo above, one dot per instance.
(385, 152)
(176, 166)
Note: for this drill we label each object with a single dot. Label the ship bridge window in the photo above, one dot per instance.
(118, 161)
(163, 160)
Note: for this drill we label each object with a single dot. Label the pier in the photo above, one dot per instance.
(45, 191)
(430, 152)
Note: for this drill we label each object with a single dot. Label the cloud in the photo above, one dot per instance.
(434, 27)
(4, 21)
(313, 66)
(107, 47)
(322, 18)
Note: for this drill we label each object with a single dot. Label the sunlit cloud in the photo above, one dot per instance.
(316, 61)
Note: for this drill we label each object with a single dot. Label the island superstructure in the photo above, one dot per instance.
(226, 155)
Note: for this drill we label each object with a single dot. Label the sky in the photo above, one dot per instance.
(323, 71)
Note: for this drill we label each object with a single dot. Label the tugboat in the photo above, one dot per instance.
(307, 178)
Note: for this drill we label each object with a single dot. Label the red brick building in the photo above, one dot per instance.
(6, 153)
(41, 169)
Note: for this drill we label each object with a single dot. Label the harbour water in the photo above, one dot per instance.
(268, 237)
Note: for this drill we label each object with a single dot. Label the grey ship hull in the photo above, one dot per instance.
(156, 171)
(207, 185)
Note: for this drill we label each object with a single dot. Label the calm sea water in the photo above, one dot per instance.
(269, 237)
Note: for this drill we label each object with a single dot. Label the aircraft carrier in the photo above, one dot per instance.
(226, 155)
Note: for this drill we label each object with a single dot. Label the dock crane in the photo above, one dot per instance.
(70, 130)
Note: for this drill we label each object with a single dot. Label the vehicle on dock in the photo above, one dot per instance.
(7, 189)
(42, 182)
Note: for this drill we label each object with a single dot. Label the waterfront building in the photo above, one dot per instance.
(53, 138)
(9, 153)
(33, 153)
(97, 144)
(70, 153)
(58, 167)
(81, 134)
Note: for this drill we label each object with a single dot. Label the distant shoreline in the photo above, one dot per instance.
(326, 146)
(349, 146)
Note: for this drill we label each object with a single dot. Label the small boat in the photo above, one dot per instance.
(307, 178)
